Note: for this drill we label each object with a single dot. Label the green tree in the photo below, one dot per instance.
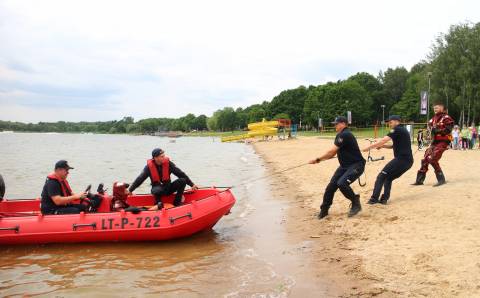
(242, 118)
(374, 89)
(456, 71)
(281, 116)
(347, 96)
(200, 123)
(226, 119)
(188, 121)
(314, 107)
(409, 106)
(212, 122)
(394, 85)
(133, 128)
(290, 102)
(255, 113)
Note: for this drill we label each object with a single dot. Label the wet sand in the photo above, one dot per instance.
(425, 242)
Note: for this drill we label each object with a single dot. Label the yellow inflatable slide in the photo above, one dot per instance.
(257, 129)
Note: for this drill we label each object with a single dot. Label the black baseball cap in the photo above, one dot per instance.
(394, 117)
(62, 164)
(156, 152)
(340, 119)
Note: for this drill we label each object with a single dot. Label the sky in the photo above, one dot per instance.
(104, 60)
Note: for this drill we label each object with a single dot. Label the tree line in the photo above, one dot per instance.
(451, 71)
(126, 125)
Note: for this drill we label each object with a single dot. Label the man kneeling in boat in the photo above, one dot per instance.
(158, 169)
(57, 196)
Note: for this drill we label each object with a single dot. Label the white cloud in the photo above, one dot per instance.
(102, 60)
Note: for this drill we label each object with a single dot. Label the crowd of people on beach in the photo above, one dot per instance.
(466, 138)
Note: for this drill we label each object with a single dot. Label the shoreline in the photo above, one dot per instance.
(331, 264)
(423, 243)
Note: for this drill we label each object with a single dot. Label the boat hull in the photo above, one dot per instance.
(201, 211)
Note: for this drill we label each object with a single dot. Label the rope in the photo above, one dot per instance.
(359, 182)
(298, 166)
(269, 175)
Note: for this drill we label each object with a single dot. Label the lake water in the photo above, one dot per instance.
(242, 255)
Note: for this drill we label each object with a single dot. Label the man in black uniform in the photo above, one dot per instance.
(352, 165)
(57, 196)
(402, 161)
(159, 169)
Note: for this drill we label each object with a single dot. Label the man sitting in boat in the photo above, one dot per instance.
(57, 196)
(159, 169)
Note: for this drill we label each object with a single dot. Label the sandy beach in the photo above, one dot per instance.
(425, 242)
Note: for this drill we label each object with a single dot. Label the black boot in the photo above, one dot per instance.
(440, 178)
(160, 205)
(383, 200)
(178, 201)
(356, 207)
(420, 178)
(323, 213)
(373, 201)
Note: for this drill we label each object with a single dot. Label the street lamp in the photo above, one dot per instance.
(383, 113)
(428, 97)
(383, 119)
(346, 105)
(318, 120)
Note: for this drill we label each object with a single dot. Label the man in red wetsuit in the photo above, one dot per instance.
(441, 126)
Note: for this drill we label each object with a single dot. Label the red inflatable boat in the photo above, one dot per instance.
(22, 223)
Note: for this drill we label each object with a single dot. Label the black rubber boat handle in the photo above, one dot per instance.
(76, 226)
(173, 219)
(15, 228)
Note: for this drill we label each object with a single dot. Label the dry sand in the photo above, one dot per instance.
(425, 242)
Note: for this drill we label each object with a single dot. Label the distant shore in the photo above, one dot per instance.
(426, 242)
(164, 134)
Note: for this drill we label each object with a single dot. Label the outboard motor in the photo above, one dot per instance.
(119, 200)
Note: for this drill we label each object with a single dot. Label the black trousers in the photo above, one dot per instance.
(69, 209)
(341, 179)
(177, 186)
(392, 170)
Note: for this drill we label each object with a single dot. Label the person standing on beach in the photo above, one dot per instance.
(352, 165)
(441, 126)
(456, 135)
(469, 137)
(478, 136)
(463, 134)
(474, 136)
(420, 139)
(402, 161)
